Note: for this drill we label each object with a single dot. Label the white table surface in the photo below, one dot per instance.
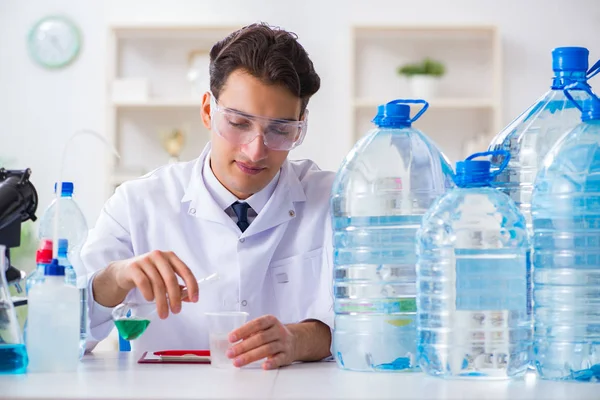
(118, 376)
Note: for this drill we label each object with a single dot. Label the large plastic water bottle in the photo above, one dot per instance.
(472, 249)
(72, 226)
(380, 194)
(566, 249)
(71, 278)
(53, 323)
(531, 135)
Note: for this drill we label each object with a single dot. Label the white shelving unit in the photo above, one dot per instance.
(158, 55)
(468, 105)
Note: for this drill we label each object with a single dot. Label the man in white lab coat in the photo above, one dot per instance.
(242, 209)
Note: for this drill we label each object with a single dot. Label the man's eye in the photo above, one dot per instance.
(239, 124)
(279, 131)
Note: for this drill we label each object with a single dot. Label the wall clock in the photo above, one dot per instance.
(54, 42)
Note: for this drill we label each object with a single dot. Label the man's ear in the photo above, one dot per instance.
(205, 110)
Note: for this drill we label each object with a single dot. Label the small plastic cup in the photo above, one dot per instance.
(220, 325)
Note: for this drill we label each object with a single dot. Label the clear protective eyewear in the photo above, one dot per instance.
(242, 128)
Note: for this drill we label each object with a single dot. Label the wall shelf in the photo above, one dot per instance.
(158, 55)
(467, 108)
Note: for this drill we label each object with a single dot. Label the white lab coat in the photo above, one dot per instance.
(281, 265)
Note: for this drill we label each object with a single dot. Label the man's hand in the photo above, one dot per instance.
(154, 274)
(266, 337)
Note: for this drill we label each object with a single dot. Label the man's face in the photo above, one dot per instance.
(247, 168)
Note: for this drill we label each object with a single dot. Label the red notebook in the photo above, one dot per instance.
(176, 357)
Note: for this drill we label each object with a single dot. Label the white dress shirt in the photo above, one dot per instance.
(225, 198)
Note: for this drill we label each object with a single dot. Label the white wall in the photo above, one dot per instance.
(40, 109)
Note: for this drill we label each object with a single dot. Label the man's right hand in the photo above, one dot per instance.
(154, 274)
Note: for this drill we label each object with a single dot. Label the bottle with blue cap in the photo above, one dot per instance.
(381, 191)
(72, 226)
(531, 135)
(53, 323)
(566, 253)
(71, 279)
(472, 248)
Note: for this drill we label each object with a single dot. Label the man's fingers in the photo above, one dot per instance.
(256, 325)
(275, 361)
(259, 353)
(184, 294)
(186, 274)
(158, 287)
(253, 342)
(142, 282)
(170, 281)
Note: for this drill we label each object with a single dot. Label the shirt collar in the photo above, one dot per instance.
(224, 198)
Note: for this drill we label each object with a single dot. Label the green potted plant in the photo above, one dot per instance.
(423, 77)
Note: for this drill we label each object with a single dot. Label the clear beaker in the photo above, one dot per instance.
(13, 355)
(220, 325)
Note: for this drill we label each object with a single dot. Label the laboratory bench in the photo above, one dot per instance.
(117, 375)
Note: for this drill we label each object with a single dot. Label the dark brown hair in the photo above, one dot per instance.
(270, 54)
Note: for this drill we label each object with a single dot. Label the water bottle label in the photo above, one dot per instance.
(491, 283)
(387, 306)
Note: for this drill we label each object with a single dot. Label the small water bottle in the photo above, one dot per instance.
(72, 279)
(72, 225)
(53, 323)
(472, 247)
(380, 194)
(566, 254)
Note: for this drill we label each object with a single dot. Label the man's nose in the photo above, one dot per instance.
(256, 149)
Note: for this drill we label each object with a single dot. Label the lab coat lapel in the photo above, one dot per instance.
(280, 207)
(200, 202)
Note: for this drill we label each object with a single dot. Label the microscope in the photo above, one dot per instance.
(18, 203)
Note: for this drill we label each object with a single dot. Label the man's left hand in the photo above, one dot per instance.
(264, 337)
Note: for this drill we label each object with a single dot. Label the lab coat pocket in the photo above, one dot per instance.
(295, 283)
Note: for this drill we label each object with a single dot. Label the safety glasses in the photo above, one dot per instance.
(241, 128)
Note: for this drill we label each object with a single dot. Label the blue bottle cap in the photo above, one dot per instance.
(570, 59)
(392, 115)
(591, 109)
(54, 269)
(67, 189)
(63, 247)
(471, 173)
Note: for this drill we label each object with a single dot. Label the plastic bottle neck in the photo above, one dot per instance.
(564, 78)
(472, 185)
(394, 125)
(54, 279)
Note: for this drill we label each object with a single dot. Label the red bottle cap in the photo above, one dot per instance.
(44, 253)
